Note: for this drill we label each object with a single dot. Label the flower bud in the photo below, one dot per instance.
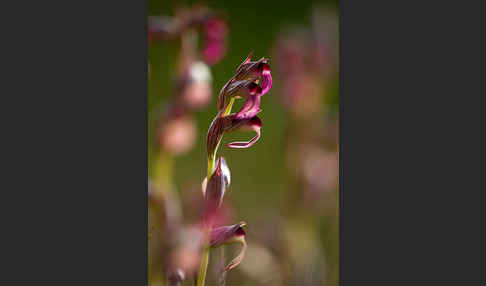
(216, 187)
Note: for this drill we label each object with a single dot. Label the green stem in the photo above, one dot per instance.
(201, 277)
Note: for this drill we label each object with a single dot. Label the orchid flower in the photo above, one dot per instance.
(246, 73)
(251, 81)
(231, 123)
(228, 235)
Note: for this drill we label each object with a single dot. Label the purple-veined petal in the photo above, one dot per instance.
(227, 235)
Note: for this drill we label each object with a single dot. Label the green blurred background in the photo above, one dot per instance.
(261, 186)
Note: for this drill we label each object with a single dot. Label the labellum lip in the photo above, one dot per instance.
(253, 124)
(227, 235)
(232, 123)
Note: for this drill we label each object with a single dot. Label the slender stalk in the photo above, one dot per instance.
(201, 277)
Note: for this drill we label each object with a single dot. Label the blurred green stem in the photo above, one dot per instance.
(222, 278)
(201, 277)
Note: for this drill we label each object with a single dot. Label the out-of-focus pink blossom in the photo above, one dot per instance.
(186, 254)
(196, 87)
(214, 48)
(177, 135)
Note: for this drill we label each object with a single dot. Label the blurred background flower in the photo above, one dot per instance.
(286, 185)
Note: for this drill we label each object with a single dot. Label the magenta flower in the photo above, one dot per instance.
(253, 70)
(251, 81)
(248, 72)
(231, 123)
(228, 235)
(214, 49)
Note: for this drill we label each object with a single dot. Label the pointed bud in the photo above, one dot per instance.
(216, 187)
(228, 235)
